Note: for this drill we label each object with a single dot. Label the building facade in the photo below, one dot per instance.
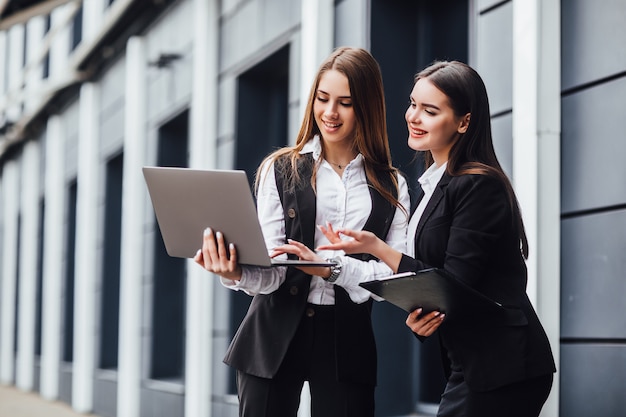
(95, 314)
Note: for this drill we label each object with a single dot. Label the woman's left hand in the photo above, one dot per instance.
(424, 325)
(215, 256)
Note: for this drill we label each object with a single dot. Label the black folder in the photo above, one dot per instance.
(433, 289)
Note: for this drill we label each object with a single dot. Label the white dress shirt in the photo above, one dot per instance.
(429, 180)
(344, 202)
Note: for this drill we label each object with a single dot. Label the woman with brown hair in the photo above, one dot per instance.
(313, 323)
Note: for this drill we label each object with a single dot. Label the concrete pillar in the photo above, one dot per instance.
(316, 38)
(15, 60)
(199, 344)
(3, 71)
(28, 252)
(93, 14)
(87, 209)
(536, 157)
(8, 279)
(55, 196)
(60, 43)
(134, 196)
(34, 65)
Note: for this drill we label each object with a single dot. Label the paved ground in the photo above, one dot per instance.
(17, 403)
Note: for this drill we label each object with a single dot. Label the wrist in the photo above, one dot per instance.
(235, 275)
(335, 269)
(328, 272)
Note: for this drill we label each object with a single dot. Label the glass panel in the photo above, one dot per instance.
(266, 83)
(110, 301)
(168, 313)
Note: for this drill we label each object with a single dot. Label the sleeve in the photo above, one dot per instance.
(482, 228)
(257, 280)
(408, 263)
(355, 271)
(479, 217)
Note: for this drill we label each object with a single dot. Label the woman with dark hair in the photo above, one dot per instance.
(469, 224)
(313, 323)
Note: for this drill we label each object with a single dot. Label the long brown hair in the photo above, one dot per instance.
(370, 139)
(473, 152)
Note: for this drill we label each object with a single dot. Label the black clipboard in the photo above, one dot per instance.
(433, 289)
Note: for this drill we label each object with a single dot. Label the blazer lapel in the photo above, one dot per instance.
(434, 201)
(416, 201)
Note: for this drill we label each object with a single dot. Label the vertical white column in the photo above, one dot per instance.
(3, 71)
(55, 194)
(199, 344)
(536, 156)
(60, 45)
(86, 249)
(15, 62)
(525, 125)
(93, 12)
(27, 297)
(34, 66)
(133, 200)
(316, 37)
(10, 191)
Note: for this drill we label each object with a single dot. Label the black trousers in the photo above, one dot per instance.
(521, 399)
(311, 357)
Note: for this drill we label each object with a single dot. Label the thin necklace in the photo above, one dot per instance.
(340, 166)
(337, 165)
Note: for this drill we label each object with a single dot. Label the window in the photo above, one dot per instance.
(110, 296)
(168, 312)
(46, 60)
(267, 86)
(77, 29)
(68, 299)
(38, 303)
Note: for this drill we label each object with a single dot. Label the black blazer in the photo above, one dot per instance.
(468, 229)
(262, 340)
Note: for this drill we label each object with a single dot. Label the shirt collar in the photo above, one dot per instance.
(314, 145)
(431, 177)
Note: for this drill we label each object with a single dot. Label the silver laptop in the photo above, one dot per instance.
(187, 201)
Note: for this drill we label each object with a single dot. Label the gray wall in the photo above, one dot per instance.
(494, 61)
(593, 207)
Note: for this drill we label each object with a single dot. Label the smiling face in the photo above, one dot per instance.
(333, 110)
(431, 122)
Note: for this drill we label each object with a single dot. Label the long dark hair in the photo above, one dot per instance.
(473, 152)
(368, 100)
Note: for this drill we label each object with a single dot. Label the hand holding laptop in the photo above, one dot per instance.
(219, 258)
(216, 257)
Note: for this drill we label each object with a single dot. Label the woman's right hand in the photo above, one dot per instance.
(215, 258)
(359, 241)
